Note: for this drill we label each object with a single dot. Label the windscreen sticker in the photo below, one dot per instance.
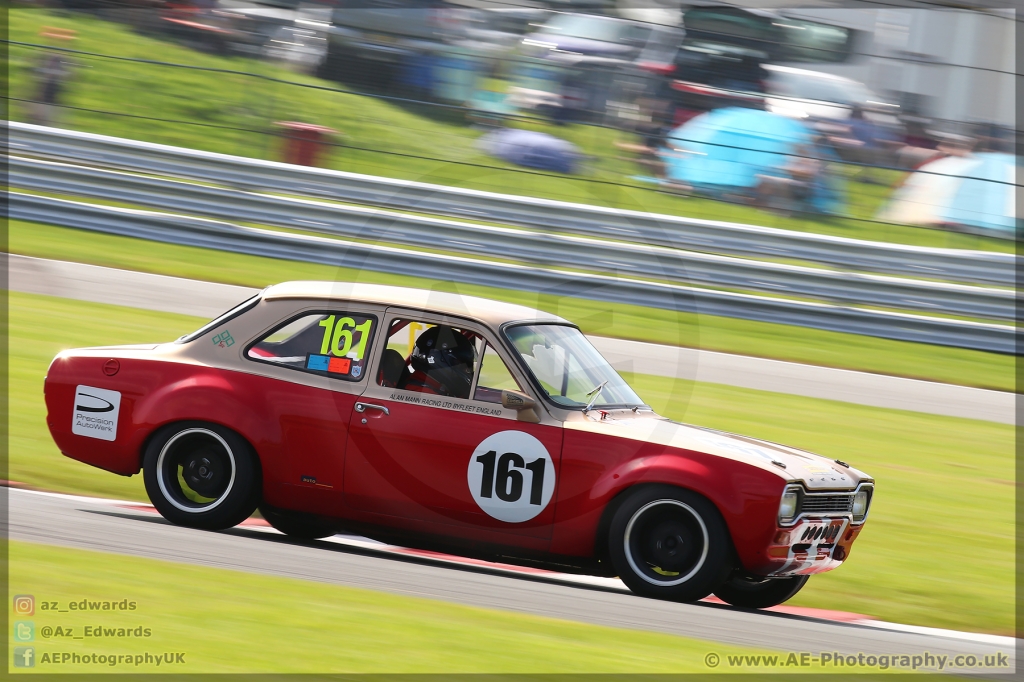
(95, 412)
(511, 476)
(326, 363)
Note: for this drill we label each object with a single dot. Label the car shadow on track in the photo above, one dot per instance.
(277, 538)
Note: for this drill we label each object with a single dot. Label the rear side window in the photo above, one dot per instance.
(333, 344)
(242, 307)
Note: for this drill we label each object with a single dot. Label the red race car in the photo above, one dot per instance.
(456, 424)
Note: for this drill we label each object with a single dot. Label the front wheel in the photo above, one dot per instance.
(202, 475)
(669, 543)
(751, 592)
(296, 524)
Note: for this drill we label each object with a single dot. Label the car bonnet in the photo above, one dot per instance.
(814, 471)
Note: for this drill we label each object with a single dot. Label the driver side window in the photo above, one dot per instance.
(443, 360)
(495, 377)
(429, 358)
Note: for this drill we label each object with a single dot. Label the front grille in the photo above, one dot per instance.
(826, 504)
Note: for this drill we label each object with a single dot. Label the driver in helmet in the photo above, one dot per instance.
(443, 360)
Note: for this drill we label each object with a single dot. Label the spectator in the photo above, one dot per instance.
(52, 73)
(802, 184)
(866, 142)
(920, 145)
(652, 129)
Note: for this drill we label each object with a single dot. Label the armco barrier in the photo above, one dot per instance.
(529, 246)
(431, 266)
(549, 216)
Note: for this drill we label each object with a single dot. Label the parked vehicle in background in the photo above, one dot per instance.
(289, 31)
(387, 42)
(801, 93)
(723, 57)
(493, 33)
(586, 67)
(483, 46)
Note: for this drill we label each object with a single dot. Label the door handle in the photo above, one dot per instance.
(363, 407)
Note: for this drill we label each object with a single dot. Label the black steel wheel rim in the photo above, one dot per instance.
(666, 542)
(195, 470)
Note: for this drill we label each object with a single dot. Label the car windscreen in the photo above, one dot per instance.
(567, 367)
(819, 88)
(217, 321)
(810, 41)
(585, 27)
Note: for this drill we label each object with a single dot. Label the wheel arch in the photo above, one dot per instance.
(206, 399)
(746, 497)
(608, 513)
(198, 423)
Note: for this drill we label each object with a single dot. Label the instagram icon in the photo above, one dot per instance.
(24, 604)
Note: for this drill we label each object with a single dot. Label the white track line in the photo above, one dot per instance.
(607, 583)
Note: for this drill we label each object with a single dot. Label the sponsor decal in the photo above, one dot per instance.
(511, 476)
(445, 403)
(223, 339)
(95, 412)
(813, 548)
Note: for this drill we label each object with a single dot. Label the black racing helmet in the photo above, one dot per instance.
(447, 357)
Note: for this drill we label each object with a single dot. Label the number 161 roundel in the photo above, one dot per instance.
(511, 476)
(455, 424)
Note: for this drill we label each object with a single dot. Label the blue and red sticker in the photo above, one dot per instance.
(329, 364)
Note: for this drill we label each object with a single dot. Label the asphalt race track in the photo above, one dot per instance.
(208, 299)
(105, 526)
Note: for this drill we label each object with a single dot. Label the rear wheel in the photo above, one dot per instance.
(297, 524)
(669, 543)
(202, 475)
(752, 592)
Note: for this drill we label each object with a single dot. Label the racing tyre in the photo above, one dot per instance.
(202, 475)
(751, 592)
(297, 524)
(669, 543)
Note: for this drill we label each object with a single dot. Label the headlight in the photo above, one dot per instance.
(861, 502)
(789, 505)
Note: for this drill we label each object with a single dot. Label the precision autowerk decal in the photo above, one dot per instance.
(95, 412)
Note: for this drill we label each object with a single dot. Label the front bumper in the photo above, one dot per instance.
(812, 545)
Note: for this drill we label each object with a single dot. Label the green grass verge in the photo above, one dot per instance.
(908, 566)
(744, 337)
(298, 626)
(39, 328)
(409, 141)
(937, 478)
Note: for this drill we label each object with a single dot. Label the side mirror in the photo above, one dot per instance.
(521, 403)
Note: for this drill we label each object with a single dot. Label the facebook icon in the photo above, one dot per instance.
(24, 657)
